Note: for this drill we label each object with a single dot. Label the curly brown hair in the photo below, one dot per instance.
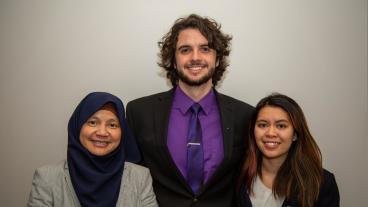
(210, 29)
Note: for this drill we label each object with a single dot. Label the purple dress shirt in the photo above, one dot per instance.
(212, 138)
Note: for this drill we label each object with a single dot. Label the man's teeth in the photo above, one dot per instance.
(195, 67)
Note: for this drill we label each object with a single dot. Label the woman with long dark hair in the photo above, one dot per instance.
(283, 166)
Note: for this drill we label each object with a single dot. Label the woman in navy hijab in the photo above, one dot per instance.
(99, 169)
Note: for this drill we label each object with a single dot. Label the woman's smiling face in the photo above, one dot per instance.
(101, 133)
(273, 132)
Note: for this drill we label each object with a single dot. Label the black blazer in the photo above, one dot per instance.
(148, 118)
(328, 194)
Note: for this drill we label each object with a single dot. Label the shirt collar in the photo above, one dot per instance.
(184, 102)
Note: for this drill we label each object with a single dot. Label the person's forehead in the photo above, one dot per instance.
(272, 112)
(191, 35)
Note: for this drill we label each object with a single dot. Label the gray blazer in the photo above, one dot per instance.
(51, 186)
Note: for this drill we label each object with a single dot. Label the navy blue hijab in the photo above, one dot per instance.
(96, 179)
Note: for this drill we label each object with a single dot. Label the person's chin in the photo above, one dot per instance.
(99, 151)
(196, 80)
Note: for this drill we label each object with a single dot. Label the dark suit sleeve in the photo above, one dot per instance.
(329, 193)
(133, 127)
(129, 117)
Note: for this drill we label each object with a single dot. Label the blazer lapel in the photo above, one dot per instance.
(69, 184)
(227, 123)
(162, 109)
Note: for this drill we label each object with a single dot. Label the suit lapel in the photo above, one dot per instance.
(162, 109)
(227, 123)
(69, 184)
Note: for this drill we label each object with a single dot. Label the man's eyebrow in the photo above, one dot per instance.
(183, 46)
(186, 46)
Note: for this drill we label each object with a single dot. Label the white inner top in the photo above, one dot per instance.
(263, 196)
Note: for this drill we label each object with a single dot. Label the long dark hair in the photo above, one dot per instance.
(300, 176)
(209, 29)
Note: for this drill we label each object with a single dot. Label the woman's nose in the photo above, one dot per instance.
(271, 131)
(102, 131)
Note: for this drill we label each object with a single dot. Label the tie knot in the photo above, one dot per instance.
(195, 108)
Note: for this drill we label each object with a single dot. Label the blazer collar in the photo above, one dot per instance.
(227, 123)
(162, 111)
(162, 108)
(70, 184)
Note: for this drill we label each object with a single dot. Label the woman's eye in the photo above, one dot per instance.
(91, 123)
(281, 126)
(261, 125)
(114, 125)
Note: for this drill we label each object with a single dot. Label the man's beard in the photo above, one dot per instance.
(198, 82)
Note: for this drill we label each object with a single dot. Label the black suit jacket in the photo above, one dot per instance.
(148, 118)
(328, 194)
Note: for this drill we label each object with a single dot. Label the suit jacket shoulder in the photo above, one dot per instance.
(168, 95)
(329, 193)
(149, 99)
(235, 117)
(50, 174)
(51, 186)
(231, 99)
(148, 117)
(235, 104)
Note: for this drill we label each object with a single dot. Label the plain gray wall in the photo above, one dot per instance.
(54, 52)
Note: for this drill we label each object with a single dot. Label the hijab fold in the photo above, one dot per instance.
(96, 179)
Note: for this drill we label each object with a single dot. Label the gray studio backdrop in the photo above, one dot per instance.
(54, 52)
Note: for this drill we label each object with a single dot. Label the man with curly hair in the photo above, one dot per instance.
(185, 172)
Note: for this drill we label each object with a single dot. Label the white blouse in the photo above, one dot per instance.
(263, 196)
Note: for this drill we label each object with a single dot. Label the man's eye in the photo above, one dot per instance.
(184, 50)
(206, 49)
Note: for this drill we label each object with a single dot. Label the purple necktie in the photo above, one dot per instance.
(195, 151)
